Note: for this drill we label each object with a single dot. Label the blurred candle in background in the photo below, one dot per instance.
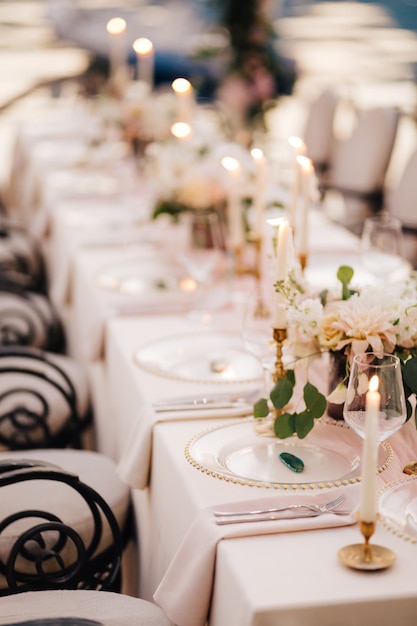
(116, 28)
(144, 50)
(307, 169)
(234, 208)
(298, 148)
(283, 261)
(260, 187)
(185, 99)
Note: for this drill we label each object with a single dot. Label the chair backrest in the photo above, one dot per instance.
(68, 537)
(28, 318)
(360, 162)
(38, 402)
(318, 132)
(21, 258)
(402, 200)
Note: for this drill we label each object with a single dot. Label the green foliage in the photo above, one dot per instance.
(345, 275)
(287, 424)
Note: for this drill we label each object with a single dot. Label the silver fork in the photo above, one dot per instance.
(324, 507)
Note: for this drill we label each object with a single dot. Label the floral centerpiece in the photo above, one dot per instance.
(343, 322)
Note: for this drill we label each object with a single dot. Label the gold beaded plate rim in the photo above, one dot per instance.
(203, 456)
(394, 500)
(150, 358)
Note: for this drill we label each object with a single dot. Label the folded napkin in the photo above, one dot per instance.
(135, 461)
(185, 591)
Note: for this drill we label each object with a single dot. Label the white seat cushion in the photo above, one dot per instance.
(94, 469)
(109, 609)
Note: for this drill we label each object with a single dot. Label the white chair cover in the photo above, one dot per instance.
(318, 132)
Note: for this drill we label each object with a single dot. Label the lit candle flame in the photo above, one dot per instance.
(181, 130)
(116, 26)
(142, 46)
(257, 154)
(275, 221)
(374, 383)
(181, 85)
(296, 143)
(230, 163)
(305, 163)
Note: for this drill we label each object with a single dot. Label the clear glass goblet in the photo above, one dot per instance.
(257, 333)
(204, 256)
(382, 245)
(392, 412)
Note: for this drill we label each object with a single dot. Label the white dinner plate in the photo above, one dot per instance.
(203, 357)
(236, 453)
(398, 507)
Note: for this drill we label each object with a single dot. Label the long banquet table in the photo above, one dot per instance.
(290, 578)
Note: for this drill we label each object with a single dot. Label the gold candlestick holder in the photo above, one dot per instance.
(302, 256)
(366, 556)
(279, 335)
(257, 269)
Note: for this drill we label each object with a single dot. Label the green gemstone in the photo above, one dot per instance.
(293, 462)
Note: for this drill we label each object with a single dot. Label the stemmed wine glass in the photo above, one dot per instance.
(381, 245)
(392, 412)
(205, 253)
(203, 259)
(257, 333)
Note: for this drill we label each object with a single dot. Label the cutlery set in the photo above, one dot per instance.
(290, 511)
(209, 402)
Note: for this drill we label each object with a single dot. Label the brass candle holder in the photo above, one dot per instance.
(279, 335)
(257, 268)
(366, 556)
(302, 256)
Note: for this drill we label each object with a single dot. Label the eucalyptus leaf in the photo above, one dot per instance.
(314, 400)
(282, 392)
(304, 422)
(345, 275)
(284, 425)
(261, 408)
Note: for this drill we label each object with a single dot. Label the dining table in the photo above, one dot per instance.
(155, 358)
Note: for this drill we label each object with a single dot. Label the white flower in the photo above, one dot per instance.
(364, 323)
(338, 395)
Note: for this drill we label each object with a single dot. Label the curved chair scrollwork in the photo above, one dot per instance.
(39, 407)
(75, 543)
(21, 260)
(29, 319)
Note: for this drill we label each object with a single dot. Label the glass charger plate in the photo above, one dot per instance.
(322, 269)
(142, 275)
(201, 357)
(398, 508)
(236, 453)
(159, 283)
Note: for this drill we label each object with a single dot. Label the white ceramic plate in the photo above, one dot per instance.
(235, 452)
(398, 507)
(204, 357)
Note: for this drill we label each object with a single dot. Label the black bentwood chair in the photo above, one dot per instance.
(29, 318)
(44, 400)
(58, 531)
(21, 258)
